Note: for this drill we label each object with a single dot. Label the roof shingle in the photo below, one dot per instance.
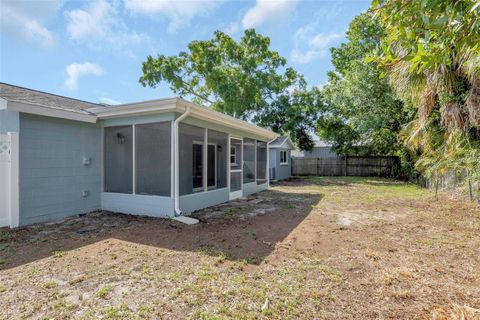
(23, 95)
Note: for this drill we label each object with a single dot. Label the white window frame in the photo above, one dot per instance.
(238, 193)
(203, 165)
(284, 163)
(234, 155)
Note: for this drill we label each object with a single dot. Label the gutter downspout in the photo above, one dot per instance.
(177, 162)
(268, 164)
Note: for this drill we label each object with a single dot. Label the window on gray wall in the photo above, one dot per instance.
(217, 158)
(190, 149)
(283, 157)
(261, 162)
(153, 158)
(118, 162)
(248, 160)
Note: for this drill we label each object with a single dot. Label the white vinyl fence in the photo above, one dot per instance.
(9, 179)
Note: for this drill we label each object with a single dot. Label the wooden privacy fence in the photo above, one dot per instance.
(346, 166)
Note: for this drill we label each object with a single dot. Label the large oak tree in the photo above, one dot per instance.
(245, 79)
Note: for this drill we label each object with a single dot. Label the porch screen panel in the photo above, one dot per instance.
(235, 181)
(118, 162)
(152, 158)
(248, 160)
(261, 162)
(190, 150)
(219, 141)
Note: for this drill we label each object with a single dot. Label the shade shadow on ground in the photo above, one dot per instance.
(245, 229)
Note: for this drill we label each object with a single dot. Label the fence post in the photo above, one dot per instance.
(318, 164)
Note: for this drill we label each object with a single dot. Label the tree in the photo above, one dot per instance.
(431, 51)
(243, 79)
(361, 109)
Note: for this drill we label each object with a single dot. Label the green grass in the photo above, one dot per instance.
(103, 292)
(6, 236)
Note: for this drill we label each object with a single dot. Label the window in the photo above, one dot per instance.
(118, 159)
(152, 158)
(197, 169)
(283, 157)
(233, 155)
(212, 165)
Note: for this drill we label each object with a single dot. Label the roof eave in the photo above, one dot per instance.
(179, 105)
(48, 112)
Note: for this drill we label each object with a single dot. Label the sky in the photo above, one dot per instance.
(93, 50)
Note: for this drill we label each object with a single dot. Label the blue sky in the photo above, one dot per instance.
(93, 50)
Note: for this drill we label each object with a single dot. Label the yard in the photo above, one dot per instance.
(333, 248)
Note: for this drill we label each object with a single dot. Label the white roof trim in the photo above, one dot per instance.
(211, 115)
(179, 105)
(50, 112)
(140, 108)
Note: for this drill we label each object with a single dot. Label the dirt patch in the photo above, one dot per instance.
(349, 248)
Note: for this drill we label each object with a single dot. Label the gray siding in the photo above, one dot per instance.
(282, 171)
(9, 121)
(200, 200)
(52, 175)
(154, 206)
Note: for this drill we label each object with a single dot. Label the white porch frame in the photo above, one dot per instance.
(238, 193)
(9, 168)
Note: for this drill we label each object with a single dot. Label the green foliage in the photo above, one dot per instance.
(431, 50)
(362, 113)
(244, 79)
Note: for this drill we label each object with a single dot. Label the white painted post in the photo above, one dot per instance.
(4, 180)
(14, 189)
(267, 173)
(205, 152)
(134, 171)
(172, 161)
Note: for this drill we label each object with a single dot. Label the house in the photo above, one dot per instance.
(61, 156)
(321, 149)
(280, 158)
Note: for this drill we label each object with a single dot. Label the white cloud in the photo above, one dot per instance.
(231, 29)
(76, 70)
(109, 101)
(314, 45)
(179, 12)
(267, 10)
(36, 31)
(99, 23)
(24, 19)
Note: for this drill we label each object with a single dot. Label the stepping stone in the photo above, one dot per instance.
(186, 220)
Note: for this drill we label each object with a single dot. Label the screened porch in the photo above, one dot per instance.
(213, 167)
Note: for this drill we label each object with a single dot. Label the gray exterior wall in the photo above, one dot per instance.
(282, 171)
(52, 174)
(9, 121)
(200, 200)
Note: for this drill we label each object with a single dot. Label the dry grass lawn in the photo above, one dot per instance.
(313, 248)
